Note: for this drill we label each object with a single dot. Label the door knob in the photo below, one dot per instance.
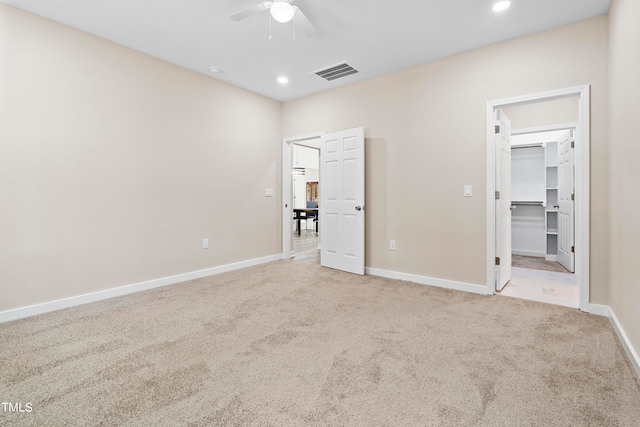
(358, 208)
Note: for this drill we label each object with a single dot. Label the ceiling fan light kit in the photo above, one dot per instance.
(282, 11)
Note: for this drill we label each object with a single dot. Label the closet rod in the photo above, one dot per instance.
(528, 203)
(539, 144)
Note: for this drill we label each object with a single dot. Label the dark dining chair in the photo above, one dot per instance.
(313, 216)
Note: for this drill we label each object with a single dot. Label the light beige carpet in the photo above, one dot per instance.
(293, 344)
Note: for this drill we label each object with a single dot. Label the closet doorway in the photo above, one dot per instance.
(531, 114)
(542, 232)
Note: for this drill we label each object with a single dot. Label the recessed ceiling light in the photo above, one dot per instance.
(215, 69)
(501, 5)
(283, 80)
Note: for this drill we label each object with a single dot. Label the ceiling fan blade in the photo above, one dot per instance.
(250, 11)
(303, 23)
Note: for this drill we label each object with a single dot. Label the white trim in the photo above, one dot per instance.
(599, 310)
(549, 128)
(551, 95)
(582, 208)
(624, 340)
(430, 281)
(286, 188)
(32, 310)
(582, 168)
(491, 202)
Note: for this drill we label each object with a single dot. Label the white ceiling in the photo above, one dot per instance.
(376, 37)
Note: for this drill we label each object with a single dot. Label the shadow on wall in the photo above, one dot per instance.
(376, 197)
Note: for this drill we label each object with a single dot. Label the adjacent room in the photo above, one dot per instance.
(319, 213)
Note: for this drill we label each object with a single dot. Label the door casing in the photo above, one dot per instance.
(503, 201)
(582, 185)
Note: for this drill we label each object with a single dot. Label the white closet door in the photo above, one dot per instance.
(503, 202)
(566, 256)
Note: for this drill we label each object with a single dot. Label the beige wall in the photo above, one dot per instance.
(625, 172)
(115, 165)
(425, 130)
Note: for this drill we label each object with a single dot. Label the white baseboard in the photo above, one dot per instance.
(624, 340)
(430, 281)
(599, 310)
(32, 310)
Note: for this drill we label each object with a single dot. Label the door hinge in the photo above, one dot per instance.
(497, 260)
(573, 197)
(573, 248)
(497, 130)
(497, 195)
(573, 144)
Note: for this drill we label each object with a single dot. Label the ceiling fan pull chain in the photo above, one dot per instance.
(270, 19)
(294, 27)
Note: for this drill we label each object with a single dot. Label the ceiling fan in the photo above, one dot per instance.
(281, 11)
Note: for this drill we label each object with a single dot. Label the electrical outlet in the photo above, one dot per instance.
(392, 245)
(205, 243)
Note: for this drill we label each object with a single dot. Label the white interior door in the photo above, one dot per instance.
(566, 255)
(503, 199)
(342, 201)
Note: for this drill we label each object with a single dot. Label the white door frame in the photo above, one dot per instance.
(287, 208)
(582, 177)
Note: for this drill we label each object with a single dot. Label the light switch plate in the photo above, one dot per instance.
(468, 191)
(268, 192)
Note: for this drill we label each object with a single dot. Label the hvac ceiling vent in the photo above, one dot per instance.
(336, 72)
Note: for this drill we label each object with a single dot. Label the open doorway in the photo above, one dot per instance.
(542, 232)
(300, 163)
(305, 198)
(341, 211)
(548, 219)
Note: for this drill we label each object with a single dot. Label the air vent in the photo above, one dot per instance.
(336, 72)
